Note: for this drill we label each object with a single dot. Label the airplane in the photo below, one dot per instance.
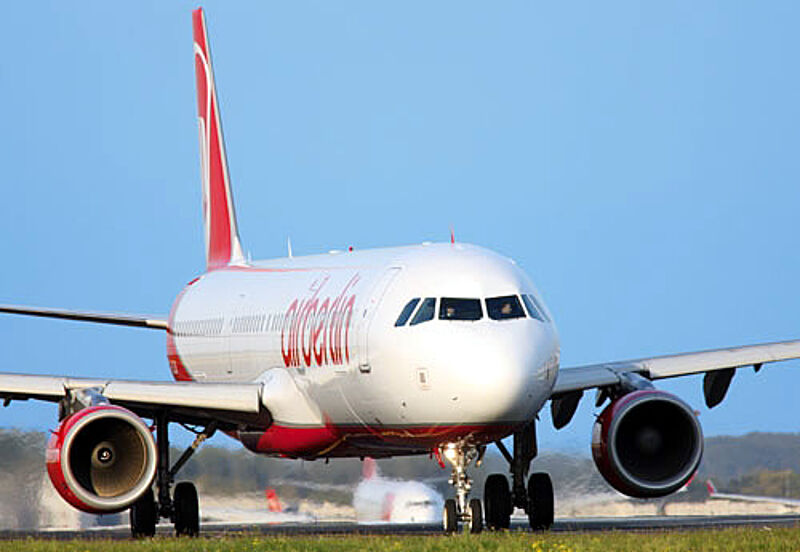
(377, 499)
(713, 494)
(440, 349)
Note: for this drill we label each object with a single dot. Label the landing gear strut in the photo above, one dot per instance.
(183, 509)
(461, 509)
(536, 498)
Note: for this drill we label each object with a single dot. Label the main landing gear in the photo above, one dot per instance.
(536, 498)
(499, 500)
(182, 507)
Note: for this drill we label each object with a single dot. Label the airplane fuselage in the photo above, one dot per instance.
(326, 329)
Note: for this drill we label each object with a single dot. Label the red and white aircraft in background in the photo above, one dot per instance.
(379, 499)
(436, 349)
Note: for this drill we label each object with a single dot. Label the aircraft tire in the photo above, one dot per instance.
(187, 512)
(475, 516)
(497, 502)
(450, 516)
(540, 502)
(144, 515)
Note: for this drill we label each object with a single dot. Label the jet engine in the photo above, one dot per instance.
(102, 459)
(647, 443)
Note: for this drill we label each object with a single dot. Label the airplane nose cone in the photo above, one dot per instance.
(501, 374)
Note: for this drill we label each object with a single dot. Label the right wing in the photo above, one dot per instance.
(670, 366)
(231, 404)
(719, 365)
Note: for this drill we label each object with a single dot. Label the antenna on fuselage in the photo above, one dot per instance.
(289, 246)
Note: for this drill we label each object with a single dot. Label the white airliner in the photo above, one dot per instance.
(436, 349)
(713, 494)
(379, 499)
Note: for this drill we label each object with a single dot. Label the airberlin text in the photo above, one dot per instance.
(317, 331)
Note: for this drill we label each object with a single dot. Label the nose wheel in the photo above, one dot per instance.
(462, 509)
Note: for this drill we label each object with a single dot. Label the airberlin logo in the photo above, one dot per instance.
(316, 331)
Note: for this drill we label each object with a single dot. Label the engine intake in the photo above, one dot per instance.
(102, 459)
(647, 443)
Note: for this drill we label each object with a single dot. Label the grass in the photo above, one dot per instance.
(782, 539)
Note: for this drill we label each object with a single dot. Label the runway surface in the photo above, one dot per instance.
(564, 525)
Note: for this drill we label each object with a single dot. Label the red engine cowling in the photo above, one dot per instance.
(647, 443)
(102, 459)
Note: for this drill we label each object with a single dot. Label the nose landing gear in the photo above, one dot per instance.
(461, 509)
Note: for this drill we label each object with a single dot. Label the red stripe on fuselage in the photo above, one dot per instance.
(176, 365)
(336, 441)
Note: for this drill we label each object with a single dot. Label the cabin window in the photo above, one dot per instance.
(504, 308)
(406, 313)
(460, 309)
(425, 311)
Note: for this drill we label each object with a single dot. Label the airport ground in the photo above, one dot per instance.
(766, 536)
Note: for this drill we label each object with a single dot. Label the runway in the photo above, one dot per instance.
(564, 525)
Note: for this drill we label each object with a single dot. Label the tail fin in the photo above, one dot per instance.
(222, 237)
(369, 469)
(273, 502)
(712, 489)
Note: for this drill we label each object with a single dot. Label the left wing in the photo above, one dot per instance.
(190, 402)
(719, 366)
(140, 320)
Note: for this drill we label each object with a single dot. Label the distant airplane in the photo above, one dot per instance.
(377, 499)
(439, 349)
(244, 511)
(715, 495)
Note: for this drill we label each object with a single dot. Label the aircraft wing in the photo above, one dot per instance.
(719, 366)
(188, 402)
(670, 366)
(143, 321)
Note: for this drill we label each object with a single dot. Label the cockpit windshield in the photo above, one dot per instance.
(535, 309)
(406, 313)
(504, 308)
(425, 312)
(460, 309)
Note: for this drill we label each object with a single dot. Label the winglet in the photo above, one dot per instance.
(222, 237)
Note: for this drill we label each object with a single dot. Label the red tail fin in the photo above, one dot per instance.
(370, 469)
(222, 236)
(273, 502)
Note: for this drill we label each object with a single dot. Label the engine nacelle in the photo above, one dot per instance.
(647, 443)
(102, 459)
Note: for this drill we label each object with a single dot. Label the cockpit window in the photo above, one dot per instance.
(425, 311)
(535, 309)
(460, 309)
(504, 308)
(406, 313)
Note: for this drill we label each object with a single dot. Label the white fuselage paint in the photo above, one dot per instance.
(337, 358)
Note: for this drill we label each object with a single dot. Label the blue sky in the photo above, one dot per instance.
(639, 161)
